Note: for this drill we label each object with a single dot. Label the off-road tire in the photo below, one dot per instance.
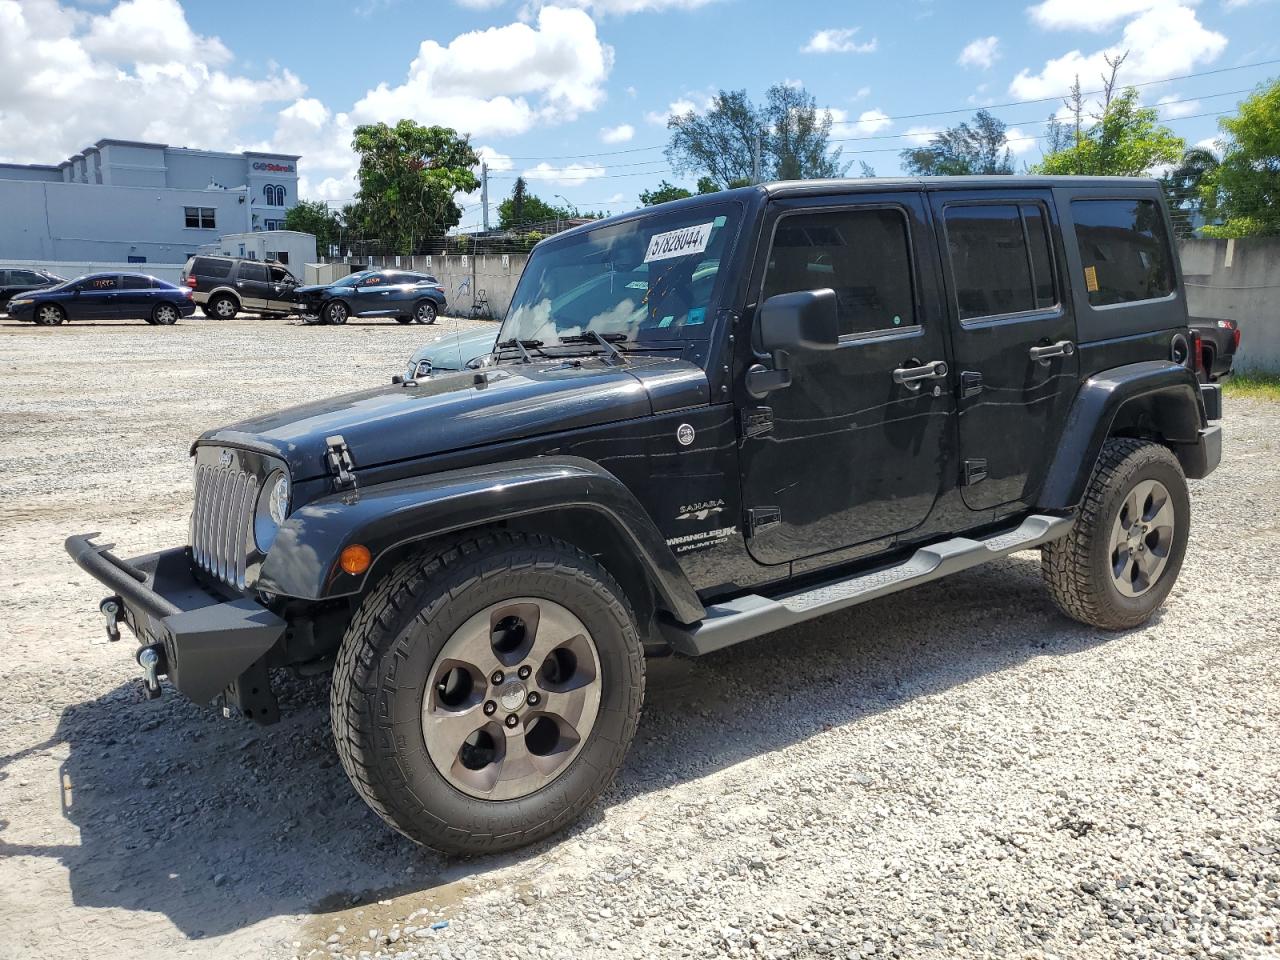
(390, 649)
(1077, 567)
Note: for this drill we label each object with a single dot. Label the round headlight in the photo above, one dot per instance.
(273, 508)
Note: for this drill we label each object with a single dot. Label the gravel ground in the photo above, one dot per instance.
(954, 771)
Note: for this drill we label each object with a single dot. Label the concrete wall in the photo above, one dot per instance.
(171, 272)
(1238, 280)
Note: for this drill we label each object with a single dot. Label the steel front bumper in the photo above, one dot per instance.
(208, 642)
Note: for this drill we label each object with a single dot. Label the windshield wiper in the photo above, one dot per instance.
(606, 340)
(522, 345)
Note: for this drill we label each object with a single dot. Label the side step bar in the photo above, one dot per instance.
(751, 616)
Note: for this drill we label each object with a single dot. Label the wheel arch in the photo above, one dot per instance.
(1152, 400)
(569, 498)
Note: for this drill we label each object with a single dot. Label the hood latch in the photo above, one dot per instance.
(338, 456)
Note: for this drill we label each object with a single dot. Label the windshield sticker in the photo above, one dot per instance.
(667, 321)
(697, 315)
(679, 243)
(638, 285)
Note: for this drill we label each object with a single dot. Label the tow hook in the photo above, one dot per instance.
(111, 612)
(150, 659)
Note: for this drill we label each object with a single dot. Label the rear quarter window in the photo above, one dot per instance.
(209, 267)
(1124, 250)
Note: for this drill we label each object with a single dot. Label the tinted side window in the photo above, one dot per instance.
(280, 275)
(864, 255)
(136, 283)
(100, 283)
(209, 267)
(25, 277)
(1124, 249)
(253, 271)
(1000, 259)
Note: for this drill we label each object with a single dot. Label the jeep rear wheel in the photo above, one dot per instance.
(1122, 557)
(486, 692)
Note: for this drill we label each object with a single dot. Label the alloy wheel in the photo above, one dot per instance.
(166, 315)
(1141, 538)
(511, 699)
(224, 308)
(49, 315)
(426, 313)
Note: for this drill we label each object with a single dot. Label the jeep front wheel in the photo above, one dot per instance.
(485, 693)
(1122, 557)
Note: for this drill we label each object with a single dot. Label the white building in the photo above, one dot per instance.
(291, 247)
(125, 201)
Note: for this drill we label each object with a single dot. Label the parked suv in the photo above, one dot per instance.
(704, 421)
(406, 296)
(224, 286)
(17, 281)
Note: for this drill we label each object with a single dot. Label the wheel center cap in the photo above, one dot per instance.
(512, 695)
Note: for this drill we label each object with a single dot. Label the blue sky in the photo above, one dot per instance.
(575, 93)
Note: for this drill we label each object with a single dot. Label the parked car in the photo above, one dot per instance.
(706, 421)
(15, 281)
(408, 297)
(452, 352)
(105, 296)
(1219, 341)
(225, 286)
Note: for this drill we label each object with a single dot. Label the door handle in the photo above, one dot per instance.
(1063, 348)
(913, 377)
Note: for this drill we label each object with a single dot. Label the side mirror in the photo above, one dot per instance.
(788, 322)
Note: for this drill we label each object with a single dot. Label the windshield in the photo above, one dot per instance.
(652, 278)
(352, 279)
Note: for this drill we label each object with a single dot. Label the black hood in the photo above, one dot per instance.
(469, 409)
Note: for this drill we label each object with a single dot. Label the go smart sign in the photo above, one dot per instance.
(273, 167)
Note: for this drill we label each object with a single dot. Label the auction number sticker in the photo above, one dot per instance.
(679, 243)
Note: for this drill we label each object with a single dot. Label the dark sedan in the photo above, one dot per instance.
(408, 297)
(105, 296)
(16, 281)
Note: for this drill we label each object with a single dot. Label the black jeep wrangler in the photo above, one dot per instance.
(701, 423)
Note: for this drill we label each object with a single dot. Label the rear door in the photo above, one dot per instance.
(849, 454)
(1013, 335)
(253, 285)
(134, 300)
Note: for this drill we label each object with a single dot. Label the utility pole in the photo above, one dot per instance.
(484, 192)
(755, 157)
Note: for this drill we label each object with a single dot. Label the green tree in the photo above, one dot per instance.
(1126, 141)
(963, 150)
(314, 217)
(409, 176)
(523, 208)
(798, 145)
(1184, 185)
(1243, 193)
(793, 137)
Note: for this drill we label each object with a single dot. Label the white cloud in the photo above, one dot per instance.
(1093, 15)
(1210, 144)
(481, 4)
(622, 133)
(497, 162)
(919, 136)
(1173, 106)
(1019, 141)
(573, 175)
(982, 52)
(677, 108)
(69, 77)
(862, 93)
(1164, 40)
(621, 7)
(837, 41)
(617, 198)
(871, 121)
(482, 81)
(837, 115)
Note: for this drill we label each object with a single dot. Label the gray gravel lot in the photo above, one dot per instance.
(954, 771)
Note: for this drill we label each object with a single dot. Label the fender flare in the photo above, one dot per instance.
(303, 561)
(1160, 393)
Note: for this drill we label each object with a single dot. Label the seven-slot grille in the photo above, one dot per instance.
(222, 521)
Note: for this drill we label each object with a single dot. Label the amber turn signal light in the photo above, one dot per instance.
(355, 559)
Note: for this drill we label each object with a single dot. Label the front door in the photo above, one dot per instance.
(370, 298)
(252, 285)
(95, 299)
(1014, 338)
(282, 287)
(856, 449)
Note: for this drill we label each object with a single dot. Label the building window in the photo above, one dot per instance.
(200, 218)
(279, 196)
(274, 195)
(133, 259)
